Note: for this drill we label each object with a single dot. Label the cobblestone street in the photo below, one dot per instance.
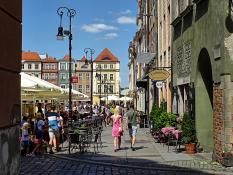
(149, 158)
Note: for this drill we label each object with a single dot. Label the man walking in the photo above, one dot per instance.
(131, 124)
(52, 116)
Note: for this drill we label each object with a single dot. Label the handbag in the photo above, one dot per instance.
(121, 131)
(130, 125)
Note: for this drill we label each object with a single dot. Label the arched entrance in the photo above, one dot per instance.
(204, 101)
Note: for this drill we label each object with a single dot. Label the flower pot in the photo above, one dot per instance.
(190, 148)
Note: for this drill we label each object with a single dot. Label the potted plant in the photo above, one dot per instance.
(188, 134)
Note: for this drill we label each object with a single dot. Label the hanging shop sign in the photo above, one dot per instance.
(157, 75)
(159, 84)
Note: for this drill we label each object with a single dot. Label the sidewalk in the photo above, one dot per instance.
(148, 155)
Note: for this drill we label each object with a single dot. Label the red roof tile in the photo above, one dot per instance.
(106, 55)
(30, 56)
(66, 58)
(49, 59)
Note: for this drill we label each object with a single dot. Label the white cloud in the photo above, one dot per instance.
(126, 12)
(96, 28)
(108, 36)
(126, 20)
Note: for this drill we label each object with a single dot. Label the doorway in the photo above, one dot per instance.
(204, 101)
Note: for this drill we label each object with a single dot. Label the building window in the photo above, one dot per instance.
(63, 66)
(36, 66)
(87, 89)
(105, 88)
(52, 75)
(99, 88)
(87, 76)
(63, 76)
(53, 66)
(105, 76)
(161, 60)
(22, 66)
(80, 88)
(47, 66)
(29, 66)
(111, 77)
(63, 86)
(80, 76)
(46, 76)
(111, 66)
(111, 89)
(105, 66)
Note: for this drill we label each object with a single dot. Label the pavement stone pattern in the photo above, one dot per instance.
(149, 158)
(48, 165)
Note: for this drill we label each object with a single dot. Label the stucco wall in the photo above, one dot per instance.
(213, 33)
(10, 66)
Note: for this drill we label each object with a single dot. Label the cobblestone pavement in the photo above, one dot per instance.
(149, 158)
(55, 166)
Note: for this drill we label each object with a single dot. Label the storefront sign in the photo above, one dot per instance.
(74, 79)
(159, 75)
(159, 84)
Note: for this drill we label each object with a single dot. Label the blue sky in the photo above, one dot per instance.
(98, 24)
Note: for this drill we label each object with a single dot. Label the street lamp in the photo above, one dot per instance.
(60, 36)
(100, 79)
(92, 51)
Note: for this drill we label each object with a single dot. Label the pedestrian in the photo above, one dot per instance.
(52, 116)
(25, 135)
(131, 125)
(117, 129)
(61, 129)
(39, 124)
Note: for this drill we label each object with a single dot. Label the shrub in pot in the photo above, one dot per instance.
(188, 134)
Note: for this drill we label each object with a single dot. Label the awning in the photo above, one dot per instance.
(145, 57)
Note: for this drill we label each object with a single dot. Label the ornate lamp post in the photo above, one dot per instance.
(92, 51)
(99, 76)
(60, 36)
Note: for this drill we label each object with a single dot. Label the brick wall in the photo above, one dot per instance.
(218, 121)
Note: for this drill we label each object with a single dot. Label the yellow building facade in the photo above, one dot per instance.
(106, 77)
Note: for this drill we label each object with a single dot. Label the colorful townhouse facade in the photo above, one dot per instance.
(49, 70)
(63, 72)
(106, 76)
(83, 73)
(31, 63)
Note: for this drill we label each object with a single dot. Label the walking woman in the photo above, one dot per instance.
(117, 129)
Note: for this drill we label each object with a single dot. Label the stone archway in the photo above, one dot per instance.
(204, 101)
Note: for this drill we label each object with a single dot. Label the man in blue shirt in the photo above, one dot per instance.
(52, 116)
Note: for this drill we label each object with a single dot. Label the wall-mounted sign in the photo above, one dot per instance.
(159, 84)
(74, 79)
(159, 75)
